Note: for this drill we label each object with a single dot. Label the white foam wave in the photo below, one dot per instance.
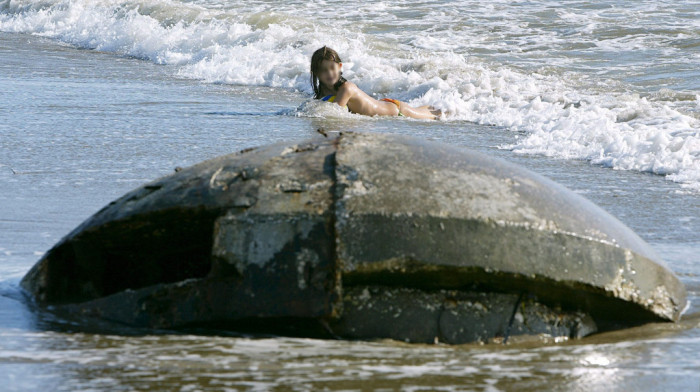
(557, 114)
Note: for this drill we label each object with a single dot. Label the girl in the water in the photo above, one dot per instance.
(330, 85)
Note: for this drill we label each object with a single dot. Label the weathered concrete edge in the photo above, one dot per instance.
(607, 269)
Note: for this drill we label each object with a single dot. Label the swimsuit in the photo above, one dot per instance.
(395, 102)
(331, 98)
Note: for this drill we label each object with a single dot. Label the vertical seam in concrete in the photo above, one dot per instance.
(337, 303)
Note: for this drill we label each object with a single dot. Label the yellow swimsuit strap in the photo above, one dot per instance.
(331, 98)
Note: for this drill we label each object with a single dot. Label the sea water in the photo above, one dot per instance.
(99, 97)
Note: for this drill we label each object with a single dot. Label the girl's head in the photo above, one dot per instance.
(326, 68)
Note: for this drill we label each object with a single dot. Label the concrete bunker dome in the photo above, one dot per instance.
(360, 236)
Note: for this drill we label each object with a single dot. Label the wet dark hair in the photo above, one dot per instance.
(324, 53)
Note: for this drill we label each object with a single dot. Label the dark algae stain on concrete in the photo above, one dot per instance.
(360, 236)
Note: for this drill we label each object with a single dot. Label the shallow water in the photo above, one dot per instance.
(79, 128)
(611, 82)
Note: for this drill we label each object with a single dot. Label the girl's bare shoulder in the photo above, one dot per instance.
(348, 85)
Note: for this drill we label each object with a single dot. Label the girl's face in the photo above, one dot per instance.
(329, 72)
